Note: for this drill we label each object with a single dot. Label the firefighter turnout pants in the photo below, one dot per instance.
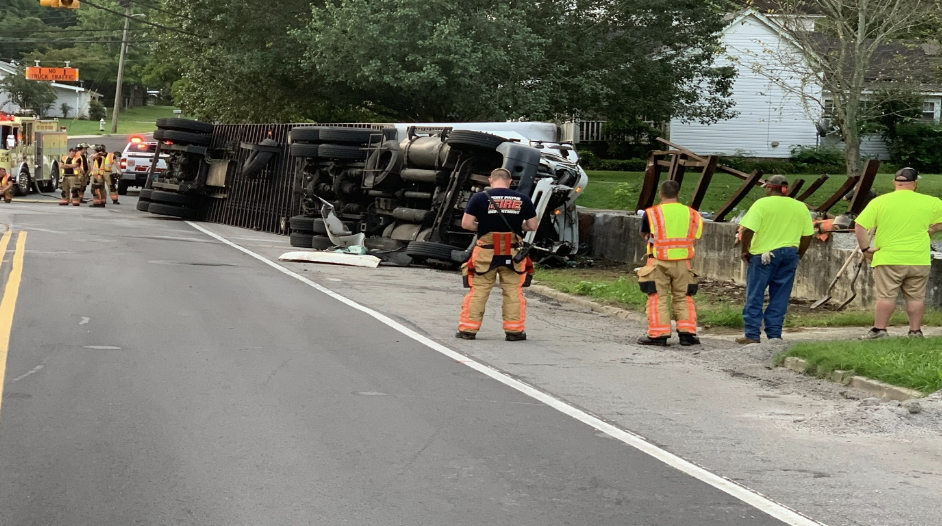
(660, 279)
(513, 305)
(70, 190)
(111, 185)
(7, 191)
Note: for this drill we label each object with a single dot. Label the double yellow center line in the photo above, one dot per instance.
(10, 293)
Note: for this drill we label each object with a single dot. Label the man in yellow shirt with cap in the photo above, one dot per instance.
(776, 232)
(900, 253)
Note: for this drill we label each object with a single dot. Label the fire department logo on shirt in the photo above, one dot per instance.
(507, 205)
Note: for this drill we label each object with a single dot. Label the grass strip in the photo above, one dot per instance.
(915, 363)
(712, 311)
(135, 120)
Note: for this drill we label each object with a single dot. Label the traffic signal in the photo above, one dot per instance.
(64, 4)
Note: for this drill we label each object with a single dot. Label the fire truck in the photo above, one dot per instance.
(31, 150)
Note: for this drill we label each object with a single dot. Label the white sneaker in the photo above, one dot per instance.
(875, 334)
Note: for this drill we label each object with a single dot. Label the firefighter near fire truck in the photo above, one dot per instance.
(672, 230)
(70, 182)
(101, 167)
(6, 185)
(499, 216)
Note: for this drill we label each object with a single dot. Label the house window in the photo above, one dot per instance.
(929, 111)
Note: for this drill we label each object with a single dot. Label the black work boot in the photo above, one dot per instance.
(688, 339)
(660, 341)
(515, 336)
(465, 335)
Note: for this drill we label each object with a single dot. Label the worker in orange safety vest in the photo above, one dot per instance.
(6, 185)
(672, 230)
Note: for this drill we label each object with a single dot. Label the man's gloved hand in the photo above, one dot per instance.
(767, 257)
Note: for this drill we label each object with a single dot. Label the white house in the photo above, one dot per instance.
(771, 119)
(77, 98)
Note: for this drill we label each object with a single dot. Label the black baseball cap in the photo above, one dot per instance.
(906, 175)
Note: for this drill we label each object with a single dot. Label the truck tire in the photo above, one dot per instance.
(145, 194)
(384, 161)
(185, 125)
(303, 223)
(301, 149)
(352, 136)
(257, 160)
(305, 134)
(22, 183)
(171, 210)
(123, 188)
(159, 196)
(321, 242)
(300, 239)
(339, 152)
(53, 183)
(427, 250)
(143, 205)
(473, 139)
(183, 138)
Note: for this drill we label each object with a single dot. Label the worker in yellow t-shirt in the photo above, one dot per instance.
(900, 253)
(776, 232)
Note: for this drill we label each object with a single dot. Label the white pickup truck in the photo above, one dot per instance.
(135, 162)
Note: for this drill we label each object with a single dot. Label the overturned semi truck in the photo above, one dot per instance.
(404, 186)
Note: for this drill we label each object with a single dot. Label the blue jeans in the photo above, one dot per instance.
(778, 276)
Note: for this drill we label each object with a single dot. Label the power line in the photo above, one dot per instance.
(69, 30)
(47, 41)
(122, 15)
(171, 13)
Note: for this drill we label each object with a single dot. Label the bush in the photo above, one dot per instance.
(590, 161)
(817, 155)
(917, 145)
(96, 110)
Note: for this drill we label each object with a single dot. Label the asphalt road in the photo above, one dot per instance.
(158, 376)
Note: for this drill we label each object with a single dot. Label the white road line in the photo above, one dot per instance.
(749, 496)
(34, 370)
(85, 320)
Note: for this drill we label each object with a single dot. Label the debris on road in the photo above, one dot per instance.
(331, 258)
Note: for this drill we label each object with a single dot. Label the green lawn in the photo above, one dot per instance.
(620, 288)
(619, 190)
(907, 362)
(134, 120)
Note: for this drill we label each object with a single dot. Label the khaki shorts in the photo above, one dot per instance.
(889, 280)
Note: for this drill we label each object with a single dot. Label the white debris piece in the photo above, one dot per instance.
(331, 258)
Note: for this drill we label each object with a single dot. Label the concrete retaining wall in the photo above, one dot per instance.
(615, 236)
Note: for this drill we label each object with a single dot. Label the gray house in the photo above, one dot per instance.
(77, 98)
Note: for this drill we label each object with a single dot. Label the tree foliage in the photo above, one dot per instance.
(28, 94)
(859, 48)
(238, 64)
(492, 60)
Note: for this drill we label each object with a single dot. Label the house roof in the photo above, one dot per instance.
(774, 6)
(11, 70)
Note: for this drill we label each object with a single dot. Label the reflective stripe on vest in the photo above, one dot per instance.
(667, 227)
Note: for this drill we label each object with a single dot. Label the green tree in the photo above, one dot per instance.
(238, 65)
(492, 59)
(860, 51)
(28, 94)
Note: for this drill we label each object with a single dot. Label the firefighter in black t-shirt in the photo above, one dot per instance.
(499, 216)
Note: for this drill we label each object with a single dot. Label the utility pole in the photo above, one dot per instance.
(124, 51)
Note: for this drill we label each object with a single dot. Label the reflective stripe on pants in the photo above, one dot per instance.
(513, 303)
(671, 278)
